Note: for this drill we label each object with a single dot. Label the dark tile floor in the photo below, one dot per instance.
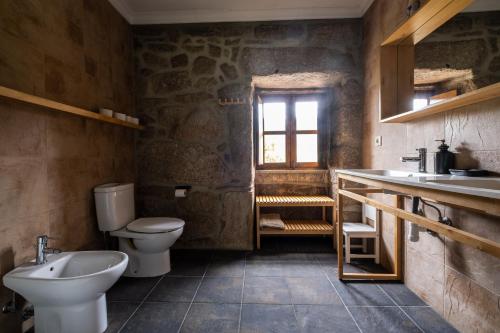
(264, 292)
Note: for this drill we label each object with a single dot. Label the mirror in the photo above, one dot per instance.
(460, 56)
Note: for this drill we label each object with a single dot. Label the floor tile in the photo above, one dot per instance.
(257, 318)
(401, 294)
(220, 290)
(118, 313)
(226, 267)
(131, 289)
(312, 291)
(175, 289)
(429, 320)
(157, 317)
(188, 267)
(266, 290)
(263, 268)
(295, 268)
(325, 319)
(212, 318)
(382, 319)
(228, 255)
(277, 256)
(361, 293)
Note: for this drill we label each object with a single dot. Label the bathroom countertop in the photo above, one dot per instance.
(488, 187)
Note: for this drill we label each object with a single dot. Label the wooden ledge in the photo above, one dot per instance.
(53, 105)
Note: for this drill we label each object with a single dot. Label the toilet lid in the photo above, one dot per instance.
(151, 225)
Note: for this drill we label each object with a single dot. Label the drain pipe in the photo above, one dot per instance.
(414, 228)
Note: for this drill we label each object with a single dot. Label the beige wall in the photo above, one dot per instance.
(80, 53)
(461, 283)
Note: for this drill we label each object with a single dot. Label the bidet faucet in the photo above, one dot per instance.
(421, 159)
(42, 250)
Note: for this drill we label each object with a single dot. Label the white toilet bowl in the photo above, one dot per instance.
(146, 241)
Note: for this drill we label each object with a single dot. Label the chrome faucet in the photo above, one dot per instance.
(421, 159)
(42, 250)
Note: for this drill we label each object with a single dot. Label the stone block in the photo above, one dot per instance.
(236, 230)
(165, 83)
(214, 51)
(267, 61)
(153, 60)
(203, 66)
(229, 71)
(180, 60)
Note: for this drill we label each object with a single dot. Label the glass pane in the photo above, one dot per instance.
(275, 148)
(306, 115)
(274, 116)
(307, 148)
(419, 103)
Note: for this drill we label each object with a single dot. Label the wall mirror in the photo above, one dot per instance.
(445, 56)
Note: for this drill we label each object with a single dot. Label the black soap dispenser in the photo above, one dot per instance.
(444, 160)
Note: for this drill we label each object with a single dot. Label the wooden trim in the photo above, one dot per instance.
(364, 190)
(340, 229)
(458, 235)
(398, 235)
(369, 276)
(53, 105)
(473, 97)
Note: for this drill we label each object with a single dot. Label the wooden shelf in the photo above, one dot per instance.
(473, 97)
(294, 200)
(301, 227)
(296, 227)
(47, 103)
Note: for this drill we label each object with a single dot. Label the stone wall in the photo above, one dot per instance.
(181, 72)
(75, 52)
(461, 283)
(469, 41)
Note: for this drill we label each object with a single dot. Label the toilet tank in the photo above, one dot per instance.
(114, 205)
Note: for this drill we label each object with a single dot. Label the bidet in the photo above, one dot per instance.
(68, 291)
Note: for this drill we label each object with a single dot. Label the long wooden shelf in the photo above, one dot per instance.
(473, 97)
(53, 105)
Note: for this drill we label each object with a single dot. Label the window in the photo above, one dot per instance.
(288, 130)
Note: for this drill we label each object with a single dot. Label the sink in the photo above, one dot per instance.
(68, 292)
(490, 184)
(393, 173)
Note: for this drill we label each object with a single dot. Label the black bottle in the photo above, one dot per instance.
(444, 160)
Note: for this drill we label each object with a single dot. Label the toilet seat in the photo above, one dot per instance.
(154, 225)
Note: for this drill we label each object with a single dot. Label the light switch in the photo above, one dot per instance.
(378, 140)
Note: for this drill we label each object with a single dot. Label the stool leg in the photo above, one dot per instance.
(347, 249)
(364, 245)
(377, 250)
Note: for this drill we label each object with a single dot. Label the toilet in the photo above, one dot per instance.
(146, 241)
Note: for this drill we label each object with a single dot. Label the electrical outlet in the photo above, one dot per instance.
(378, 140)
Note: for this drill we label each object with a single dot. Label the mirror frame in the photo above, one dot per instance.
(397, 62)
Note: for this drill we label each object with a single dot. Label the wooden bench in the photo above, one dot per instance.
(297, 227)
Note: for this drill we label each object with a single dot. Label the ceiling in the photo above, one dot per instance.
(194, 11)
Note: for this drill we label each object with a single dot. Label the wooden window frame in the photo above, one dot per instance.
(290, 131)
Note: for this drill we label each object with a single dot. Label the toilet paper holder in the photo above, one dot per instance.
(181, 190)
